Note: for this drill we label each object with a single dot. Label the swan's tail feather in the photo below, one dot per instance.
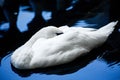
(108, 29)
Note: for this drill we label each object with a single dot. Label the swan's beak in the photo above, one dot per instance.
(59, 33)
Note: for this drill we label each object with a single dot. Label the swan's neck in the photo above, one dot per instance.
(32, 40)
(37, 35)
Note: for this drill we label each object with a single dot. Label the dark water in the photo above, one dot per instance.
(99, 64)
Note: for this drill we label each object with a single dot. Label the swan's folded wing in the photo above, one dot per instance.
(38, 43)
(58, 56)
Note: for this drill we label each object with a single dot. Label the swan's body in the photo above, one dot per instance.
(50, 51)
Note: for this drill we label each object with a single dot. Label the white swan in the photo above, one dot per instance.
(44, 51)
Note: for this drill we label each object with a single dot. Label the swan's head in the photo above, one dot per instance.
(51, 31)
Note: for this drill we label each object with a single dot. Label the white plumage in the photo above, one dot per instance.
(45, 48)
